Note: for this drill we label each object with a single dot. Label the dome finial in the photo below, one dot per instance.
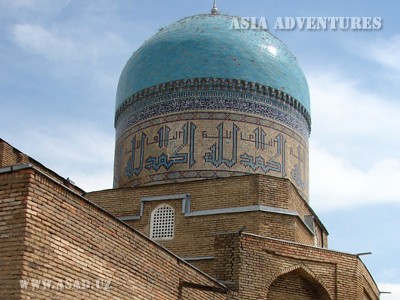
(214, 10)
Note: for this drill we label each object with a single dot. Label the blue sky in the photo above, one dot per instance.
(60, 63)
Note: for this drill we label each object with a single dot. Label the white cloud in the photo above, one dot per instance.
(35, 38)
(353, 157)
(80, 53)
(80, 151)
(386, 52)
(94, 60)
(390, 273)
(337, 184)
(34, 6)
(394, 289)
(67, 44)
(341, 107)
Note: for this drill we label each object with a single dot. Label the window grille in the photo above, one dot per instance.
(162, 223)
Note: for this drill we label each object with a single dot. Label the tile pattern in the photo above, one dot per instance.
(214, 94)
(208, 46)
(187, 146)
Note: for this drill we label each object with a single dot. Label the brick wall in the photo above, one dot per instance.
(68, 239)
(280, 193)
(296, 285)
(50, 232)
(13, 209)
(205, 194)
(275, 269)
(194, 235)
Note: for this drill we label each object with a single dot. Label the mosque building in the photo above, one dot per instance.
(211, 185)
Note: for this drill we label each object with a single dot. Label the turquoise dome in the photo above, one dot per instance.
(207, 46)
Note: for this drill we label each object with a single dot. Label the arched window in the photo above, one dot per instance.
(162, 222)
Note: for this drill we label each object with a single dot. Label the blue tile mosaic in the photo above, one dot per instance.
(206, 46)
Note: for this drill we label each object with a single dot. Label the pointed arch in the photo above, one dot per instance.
(300, 278)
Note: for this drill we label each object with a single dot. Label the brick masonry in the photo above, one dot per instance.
(194, 235)
(10, 156)
(264, 268)
(13, 230)
(287, 222)
(49, 232)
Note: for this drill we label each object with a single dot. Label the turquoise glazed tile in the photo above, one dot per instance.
(207, 46)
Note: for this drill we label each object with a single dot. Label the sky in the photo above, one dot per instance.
(60, 62)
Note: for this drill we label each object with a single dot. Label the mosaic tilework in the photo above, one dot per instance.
(214, 115)
(206, 46)
(214, 94)
(169, 149)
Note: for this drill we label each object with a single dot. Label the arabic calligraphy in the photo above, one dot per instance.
(259, 162)
(258, 138)
(167, 161)
(163, 160)
(130, 169)
(216, 154)
(297, 172)
(182, 146)
(163, 136)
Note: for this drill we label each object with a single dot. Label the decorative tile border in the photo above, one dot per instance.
(207, 116)
(215, 94)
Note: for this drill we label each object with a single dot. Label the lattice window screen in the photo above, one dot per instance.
(162, 223)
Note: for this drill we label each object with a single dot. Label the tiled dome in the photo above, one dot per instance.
(207, 46)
